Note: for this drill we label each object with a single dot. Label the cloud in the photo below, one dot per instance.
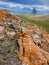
(45, 2)
(21, 7)
(40, 7)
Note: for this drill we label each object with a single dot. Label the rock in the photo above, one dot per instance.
(2, 32)
(1, 29)
(32, 59)
(29, 49)
(11, 34)
(24, 63)
(4, 12)
(30, 42)
(24, 29)
(1, 36)
(35, 36)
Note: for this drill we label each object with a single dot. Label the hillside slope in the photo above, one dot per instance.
(41, 23)
(37, 17)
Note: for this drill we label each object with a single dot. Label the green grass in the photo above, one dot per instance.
(44, 24)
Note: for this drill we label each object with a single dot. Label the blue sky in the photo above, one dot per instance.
(25, 6)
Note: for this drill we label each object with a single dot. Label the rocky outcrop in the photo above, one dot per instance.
(33, 46)
(4, 12)
(32, 42)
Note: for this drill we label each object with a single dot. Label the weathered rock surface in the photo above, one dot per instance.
(22, 43)
(31, 46)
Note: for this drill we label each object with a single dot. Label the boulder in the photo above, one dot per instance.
(4, 12)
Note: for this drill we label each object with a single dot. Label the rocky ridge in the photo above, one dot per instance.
(22, 43)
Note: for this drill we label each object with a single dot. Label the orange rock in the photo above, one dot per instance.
(29, 53)
(3, 15)
(4, 12)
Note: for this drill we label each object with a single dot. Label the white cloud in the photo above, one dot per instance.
(16, 6)
(40, 7)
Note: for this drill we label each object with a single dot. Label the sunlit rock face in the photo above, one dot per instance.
(32, 45)
(4, 12)
(32, 42)
(33, 49)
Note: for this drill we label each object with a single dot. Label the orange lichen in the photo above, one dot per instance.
(4, 12)
(28, 49)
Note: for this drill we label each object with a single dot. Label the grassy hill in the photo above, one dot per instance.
(37, 17)
(40, 20)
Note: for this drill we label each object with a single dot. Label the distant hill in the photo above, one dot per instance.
(40, 20)
(38, 17)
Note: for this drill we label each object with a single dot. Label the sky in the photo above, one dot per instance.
(25, 6)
